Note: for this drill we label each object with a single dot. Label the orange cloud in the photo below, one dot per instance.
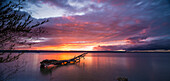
(64, 47)
(79, 45)
(69, 18)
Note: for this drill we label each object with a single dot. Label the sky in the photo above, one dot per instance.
(102, 25)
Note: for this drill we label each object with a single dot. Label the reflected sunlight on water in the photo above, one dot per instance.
(60, 56)
(97, 67)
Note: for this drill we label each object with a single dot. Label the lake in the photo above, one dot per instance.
(94, 67)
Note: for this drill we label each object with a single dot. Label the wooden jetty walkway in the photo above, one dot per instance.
(46, 63)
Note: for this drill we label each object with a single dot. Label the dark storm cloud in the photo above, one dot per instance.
(136, 39)
(159, 44)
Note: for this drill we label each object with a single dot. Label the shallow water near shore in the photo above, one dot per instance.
(95, 67)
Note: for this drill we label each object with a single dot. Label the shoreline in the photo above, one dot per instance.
(53, 51)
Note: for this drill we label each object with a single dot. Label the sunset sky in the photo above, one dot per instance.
(101, 24)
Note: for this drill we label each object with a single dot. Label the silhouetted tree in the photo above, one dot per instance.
(16, 29)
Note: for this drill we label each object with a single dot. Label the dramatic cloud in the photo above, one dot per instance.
(159, 44)
(103, 24)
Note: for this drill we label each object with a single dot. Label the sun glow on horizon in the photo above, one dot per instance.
(82, 46)
(64, 48)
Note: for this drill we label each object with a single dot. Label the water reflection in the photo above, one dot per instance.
(99, 67)
(10, 65)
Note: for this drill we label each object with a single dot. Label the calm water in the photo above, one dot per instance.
(95, 67)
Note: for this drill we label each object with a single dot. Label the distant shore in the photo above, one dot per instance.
(54, 51)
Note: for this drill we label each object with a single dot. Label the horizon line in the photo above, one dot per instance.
(38, 51)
